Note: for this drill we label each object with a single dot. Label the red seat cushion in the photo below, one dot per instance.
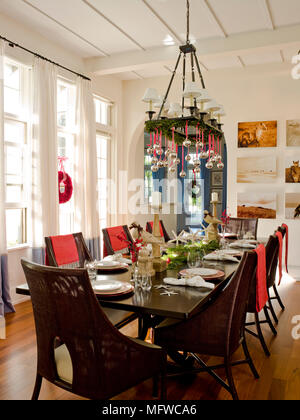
(65, 249)
(160, 228)
(261, 279)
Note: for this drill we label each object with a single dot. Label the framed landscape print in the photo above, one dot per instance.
(293, 133)
(255, 170)
(292, 169)
(257, 134)
(292, 206)
(256, 205)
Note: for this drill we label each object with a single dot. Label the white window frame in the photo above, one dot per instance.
(23, 117)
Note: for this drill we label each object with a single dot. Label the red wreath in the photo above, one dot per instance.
(65, 185)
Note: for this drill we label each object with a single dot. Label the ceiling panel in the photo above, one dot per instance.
(285, 12)
(127, 75)
(173, 12)
(135, 19)
(213, 63)
(19, 11)
(80, 18)
(261, 58)
(153, 71)
(289, 53)
(237, 16)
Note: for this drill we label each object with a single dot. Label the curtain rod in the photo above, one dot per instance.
(13, 44)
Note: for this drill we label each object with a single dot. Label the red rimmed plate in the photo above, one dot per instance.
(216, 274)
(125, 290)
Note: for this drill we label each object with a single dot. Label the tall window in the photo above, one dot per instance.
(104, 127)
(17, 162)
(66, 104)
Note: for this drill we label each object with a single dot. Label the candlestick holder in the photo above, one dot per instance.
(159, 264)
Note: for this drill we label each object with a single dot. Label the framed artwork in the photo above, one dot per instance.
(257, 134)
(292, 206)
(293, 133)
(217, 178)
(256, 205)
(292, 169)
(256, 170)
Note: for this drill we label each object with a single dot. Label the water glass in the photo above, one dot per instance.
(91, 269)
(146, 282)
(194, 258)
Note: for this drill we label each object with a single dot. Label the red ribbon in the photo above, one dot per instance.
(182, 158)
(286, 246)
(261, 279)
(279, 236)
(61, 161)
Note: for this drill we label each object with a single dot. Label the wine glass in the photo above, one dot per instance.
(91, 269)
(146, 283)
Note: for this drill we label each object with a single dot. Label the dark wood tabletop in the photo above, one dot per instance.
(185, 304)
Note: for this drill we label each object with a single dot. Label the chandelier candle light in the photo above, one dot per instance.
(187, 125)
(159, 264)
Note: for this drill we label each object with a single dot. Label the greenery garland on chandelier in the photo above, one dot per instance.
(165, 126)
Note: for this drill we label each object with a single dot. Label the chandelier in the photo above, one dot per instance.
(193, 124)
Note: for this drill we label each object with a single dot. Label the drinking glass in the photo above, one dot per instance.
(91, 269)
(146, 283)
(194, 258)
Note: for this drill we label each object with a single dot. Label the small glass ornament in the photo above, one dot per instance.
(214, 159)
(167, 152)
(173, 155)
(209, 165)
(200, 145)
(177, 161)
(154, 168)
(160, 164)
(188, 158)
(196, 163)
(211, 153)
(154, 160)
(197, 170)
(220, 165)
(150, 150)
(157, 146)
(172, 169)
(159, 152)
(187, 143)
(182, 174)
(203, 155)
(165, 164)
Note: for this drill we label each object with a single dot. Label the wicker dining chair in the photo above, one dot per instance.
(271, 265)
(96, 361)
(218, 330)
(163, 231)
(77, 256)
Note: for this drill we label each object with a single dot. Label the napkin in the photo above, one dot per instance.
(117, 258)
(242, 245)
(196, 281)
(220, 257)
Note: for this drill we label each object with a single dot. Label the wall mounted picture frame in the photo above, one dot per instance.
(292, 169)
(293, 133)
(260, 205)
(292, 206)
(257, 134)
(217, 179)
(256, 170)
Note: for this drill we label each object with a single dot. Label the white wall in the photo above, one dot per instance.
(257, 93)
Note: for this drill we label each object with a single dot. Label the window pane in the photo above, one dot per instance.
(13, 193)
(11, 101)
(12, 76)
(102, 112)
(62, 145)
(102, 208)
(14, 227)
(103, 189)
(103, 169)
(14, 132)
(14, 161)
(66, 99)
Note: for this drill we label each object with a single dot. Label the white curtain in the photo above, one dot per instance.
(5, 301)
(85, 173)
(45, 202)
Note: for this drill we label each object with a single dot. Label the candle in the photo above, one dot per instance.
(214, 197)
(156, 199)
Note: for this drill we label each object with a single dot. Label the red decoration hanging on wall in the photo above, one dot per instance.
(65, 185)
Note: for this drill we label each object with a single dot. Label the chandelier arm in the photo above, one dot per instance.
(169, 87)
(193, 75)
(199, 70)
(188, 22)
(183, 80)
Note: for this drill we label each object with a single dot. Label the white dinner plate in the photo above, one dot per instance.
(200, 272)
(107, 285)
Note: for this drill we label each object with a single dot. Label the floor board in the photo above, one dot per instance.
(280, 374)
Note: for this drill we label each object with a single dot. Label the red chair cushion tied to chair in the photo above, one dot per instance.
(279, 236)
(160, 229)
(65, 249)
(261, 279)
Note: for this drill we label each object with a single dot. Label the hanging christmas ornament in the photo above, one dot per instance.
(65, 185)
(167, 153)
(188, 158)
(166, 164)
(150, 150)
(182, 174)
(177, 161)
(172, 169)
(173, 155)
(196, 163)
(160, 164)
(154, 168)
(209, 165)
(203, 155)
(159, 152)
(220, 165)
(154, 160)
(197, 170)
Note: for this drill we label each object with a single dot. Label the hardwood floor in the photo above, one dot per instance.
(280, 374)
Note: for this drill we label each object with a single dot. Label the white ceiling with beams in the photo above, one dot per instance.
(137, 39)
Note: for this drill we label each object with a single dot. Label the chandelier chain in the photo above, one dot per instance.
(188, 22)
